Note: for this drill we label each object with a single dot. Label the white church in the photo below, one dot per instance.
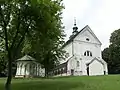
(83, 55)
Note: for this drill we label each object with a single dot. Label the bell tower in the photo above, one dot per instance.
(75, 28)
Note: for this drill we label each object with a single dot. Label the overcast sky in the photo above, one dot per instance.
(103, 17)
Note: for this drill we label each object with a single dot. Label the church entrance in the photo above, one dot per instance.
(72, 72)
(87, 70)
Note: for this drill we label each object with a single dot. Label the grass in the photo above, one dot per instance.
(111, 82)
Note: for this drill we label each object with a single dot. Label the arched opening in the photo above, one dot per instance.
(78, 63)
(21, 67)
(88, 53)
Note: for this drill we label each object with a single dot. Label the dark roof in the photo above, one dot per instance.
(61, 65)
(72, 37)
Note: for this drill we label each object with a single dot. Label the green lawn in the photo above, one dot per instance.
(111, 82)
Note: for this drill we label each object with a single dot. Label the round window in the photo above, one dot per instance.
(87, 39)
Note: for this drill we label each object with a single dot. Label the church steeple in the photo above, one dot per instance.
(75, 28)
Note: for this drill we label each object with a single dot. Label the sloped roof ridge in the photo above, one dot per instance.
(25, 58)
(99, 60)
(74, 36)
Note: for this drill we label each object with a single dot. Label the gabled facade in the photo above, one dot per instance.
(84, 57)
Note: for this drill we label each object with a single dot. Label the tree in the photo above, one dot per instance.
(47, 49)
(105, 54)
(15, 22)
(115, 51)
(19, 26)
(112, 54)
(106, 57)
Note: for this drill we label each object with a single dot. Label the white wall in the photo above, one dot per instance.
(20, 68)
(72, 64)
(80, 48)
(87, 33)
(68, 49)
(81, 44)
(96, 68)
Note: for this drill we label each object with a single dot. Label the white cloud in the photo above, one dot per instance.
(102, 16)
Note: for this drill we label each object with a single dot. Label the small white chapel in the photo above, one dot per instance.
(27, 66)
(83, 55)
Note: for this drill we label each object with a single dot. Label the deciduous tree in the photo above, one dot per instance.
(35, 21)
(112, 54)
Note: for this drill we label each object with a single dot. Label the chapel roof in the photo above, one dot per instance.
(26, 58)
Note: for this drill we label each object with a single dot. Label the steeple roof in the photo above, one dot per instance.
(75, 28)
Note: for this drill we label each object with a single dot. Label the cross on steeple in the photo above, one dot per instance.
(74, 21)
(75, 28)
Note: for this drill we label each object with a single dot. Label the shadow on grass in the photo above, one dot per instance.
(47, 85)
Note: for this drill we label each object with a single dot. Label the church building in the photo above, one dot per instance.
(83, 55)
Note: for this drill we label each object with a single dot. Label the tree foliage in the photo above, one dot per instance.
(31, 27)
(47, 49)
(2, 62)
(112, 54)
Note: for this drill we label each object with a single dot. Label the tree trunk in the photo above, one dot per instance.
(46, 73)
(9, 55)
(46, 65)
(8, 83)
(9, 78)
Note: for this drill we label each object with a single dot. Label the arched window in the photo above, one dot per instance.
(88, 53)
(21, 66)
(85, 54)
(25, 69)
(78, 63)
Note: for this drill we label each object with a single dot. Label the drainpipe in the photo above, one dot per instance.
(72, 53)
(72, 48)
